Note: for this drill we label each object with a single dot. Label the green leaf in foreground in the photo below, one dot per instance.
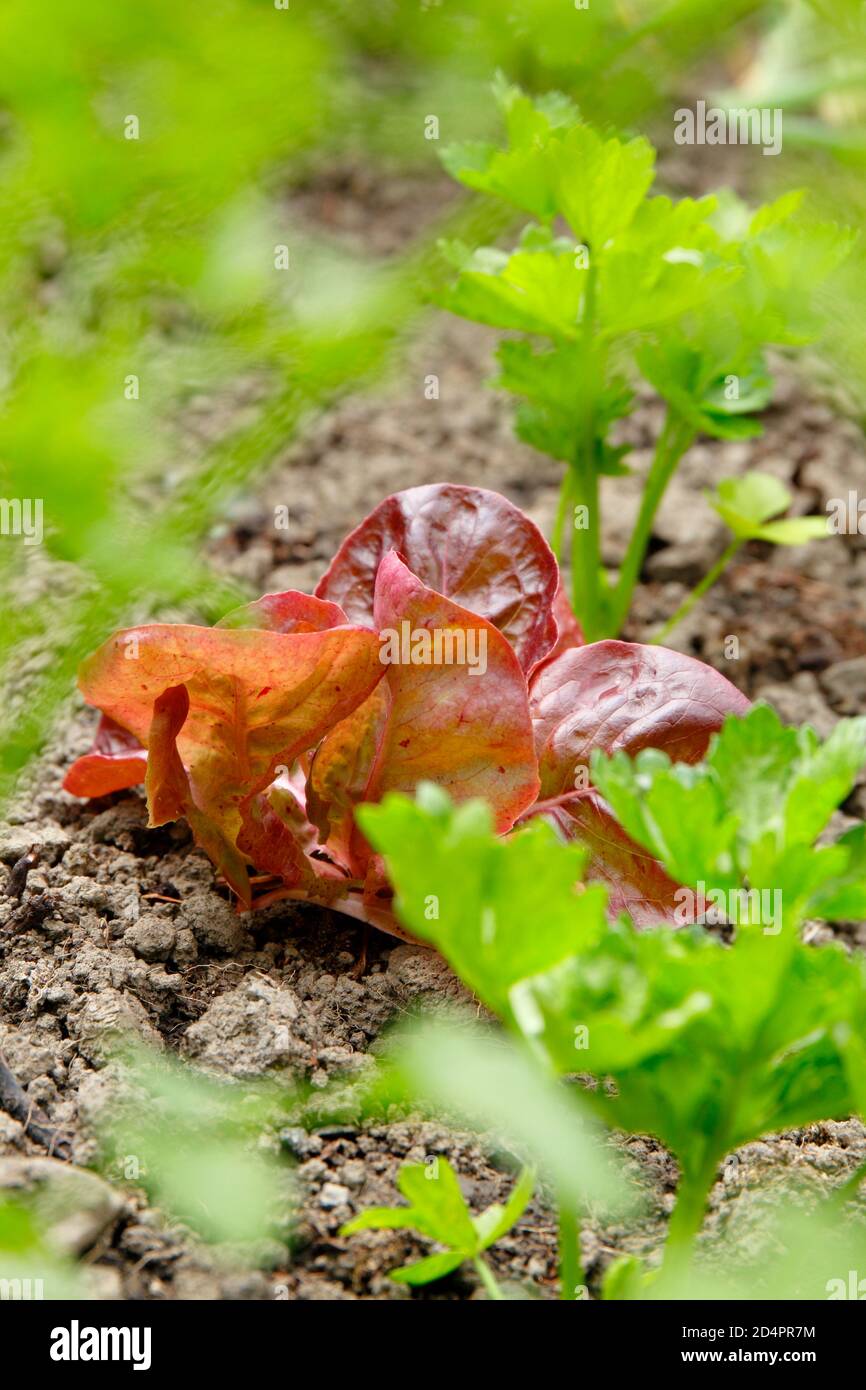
(33, 1262)
(748, 816)
(497, 909)
(437, 1209)
(493, 1084)
(842, 897)
(710, 1046)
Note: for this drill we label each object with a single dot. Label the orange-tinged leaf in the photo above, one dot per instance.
(466, 729)
(170, 796)
(340, 771)
(256, 699)
(115, 762)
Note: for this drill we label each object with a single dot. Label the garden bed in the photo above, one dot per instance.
(121, 927)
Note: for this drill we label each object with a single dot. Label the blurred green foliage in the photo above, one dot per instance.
(811, 62)
(192, 1143)
(138, 275)
(31, 1267)
(618, 59)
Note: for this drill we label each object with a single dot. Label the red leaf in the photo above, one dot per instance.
(351, 904)
(465, 543)
(279, 839)
(287, 796)
(569, 632)
(268, 842)
(613, 695)
(272, 836)
(379, 915)
(116, 761)
(469, 732)
(635, 881)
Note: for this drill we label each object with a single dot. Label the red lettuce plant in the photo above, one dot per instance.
(266, 731)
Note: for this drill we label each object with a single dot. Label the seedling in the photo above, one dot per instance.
(491, 1084)
(608, 284)
(746, 505)
(437, 1209)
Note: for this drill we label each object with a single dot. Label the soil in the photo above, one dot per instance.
(122, 929)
